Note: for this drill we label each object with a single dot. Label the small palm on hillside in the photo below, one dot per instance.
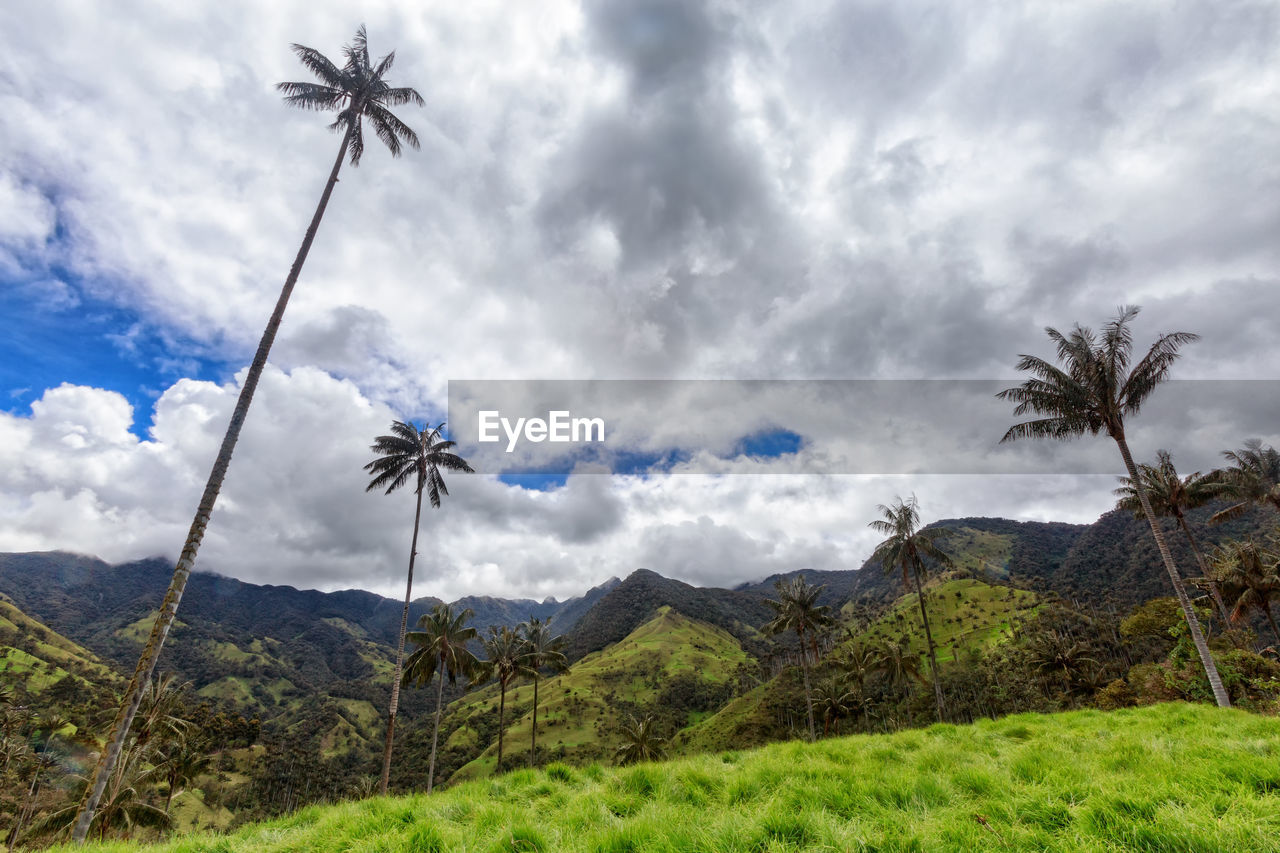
(1056, 653)
(1253, 478)
(1091, 390)
(179, 763)
(418, 456)
(640, 742)
(124, 805)
(1171, 496)
(906, 548)
(507, 658)
(895, 659)
(441, 638)
(1251, 573)
(835, 699)
(797, 610)
(544, 653)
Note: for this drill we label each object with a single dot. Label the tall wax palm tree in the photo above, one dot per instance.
(797, 610)
(1253, 478)
(640, 742)
(1092, 389)
(1171, 495)
(544, 653)
(357, 90)
(507, 658)
(905, 548)
(1252, 572)
(409, 454)
(441, 639)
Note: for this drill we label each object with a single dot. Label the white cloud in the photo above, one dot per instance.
(626, 189)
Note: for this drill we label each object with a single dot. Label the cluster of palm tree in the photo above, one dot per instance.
(527, 651)
(1248, 571)
(163, 756)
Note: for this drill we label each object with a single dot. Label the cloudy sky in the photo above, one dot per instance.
(656, 189)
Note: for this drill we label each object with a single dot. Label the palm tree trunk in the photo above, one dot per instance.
(933, 655)
(435, 732)
(1197, 636)
(404, 624)
(533, 743)
(502, 715)
(186, 561)
(1266, 608)
(808, 694)
(1204, 571)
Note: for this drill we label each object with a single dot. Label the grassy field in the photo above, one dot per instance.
(1164, 778)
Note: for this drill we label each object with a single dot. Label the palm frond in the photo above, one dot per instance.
(319, 64)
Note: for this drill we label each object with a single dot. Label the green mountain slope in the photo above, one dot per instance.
(39, 659)
(964, 614)
(672, 666)
(1163, 778)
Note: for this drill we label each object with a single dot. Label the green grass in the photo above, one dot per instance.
(1165, 778)
(51, 656)
(577, 708)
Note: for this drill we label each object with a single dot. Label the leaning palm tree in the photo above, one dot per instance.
(797, 609)
(1171, 496)
(441, 638)
(507, 658)
(640, 742)
(1092, 390)
(905, 548)
(1252, 572)
(544, 653)
(409, 454)
(357, 90)
(1253, 478)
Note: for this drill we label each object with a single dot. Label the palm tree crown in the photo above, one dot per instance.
(409, 451)
(1253, 478)
(356, 90)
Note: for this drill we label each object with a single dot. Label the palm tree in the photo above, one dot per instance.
(640, 743)
(442, 646)
(1171, 495)
(52, 725)
(797, 609)
(179, 764)
(1252, 572)
(404, 455)
(1093, 391)
(835, 700)
(905, 548)
(895, 659)
(1253, 479)
(1056, 652)
(357, 90)
(544, 652)
(507, 658)
(125, 803)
